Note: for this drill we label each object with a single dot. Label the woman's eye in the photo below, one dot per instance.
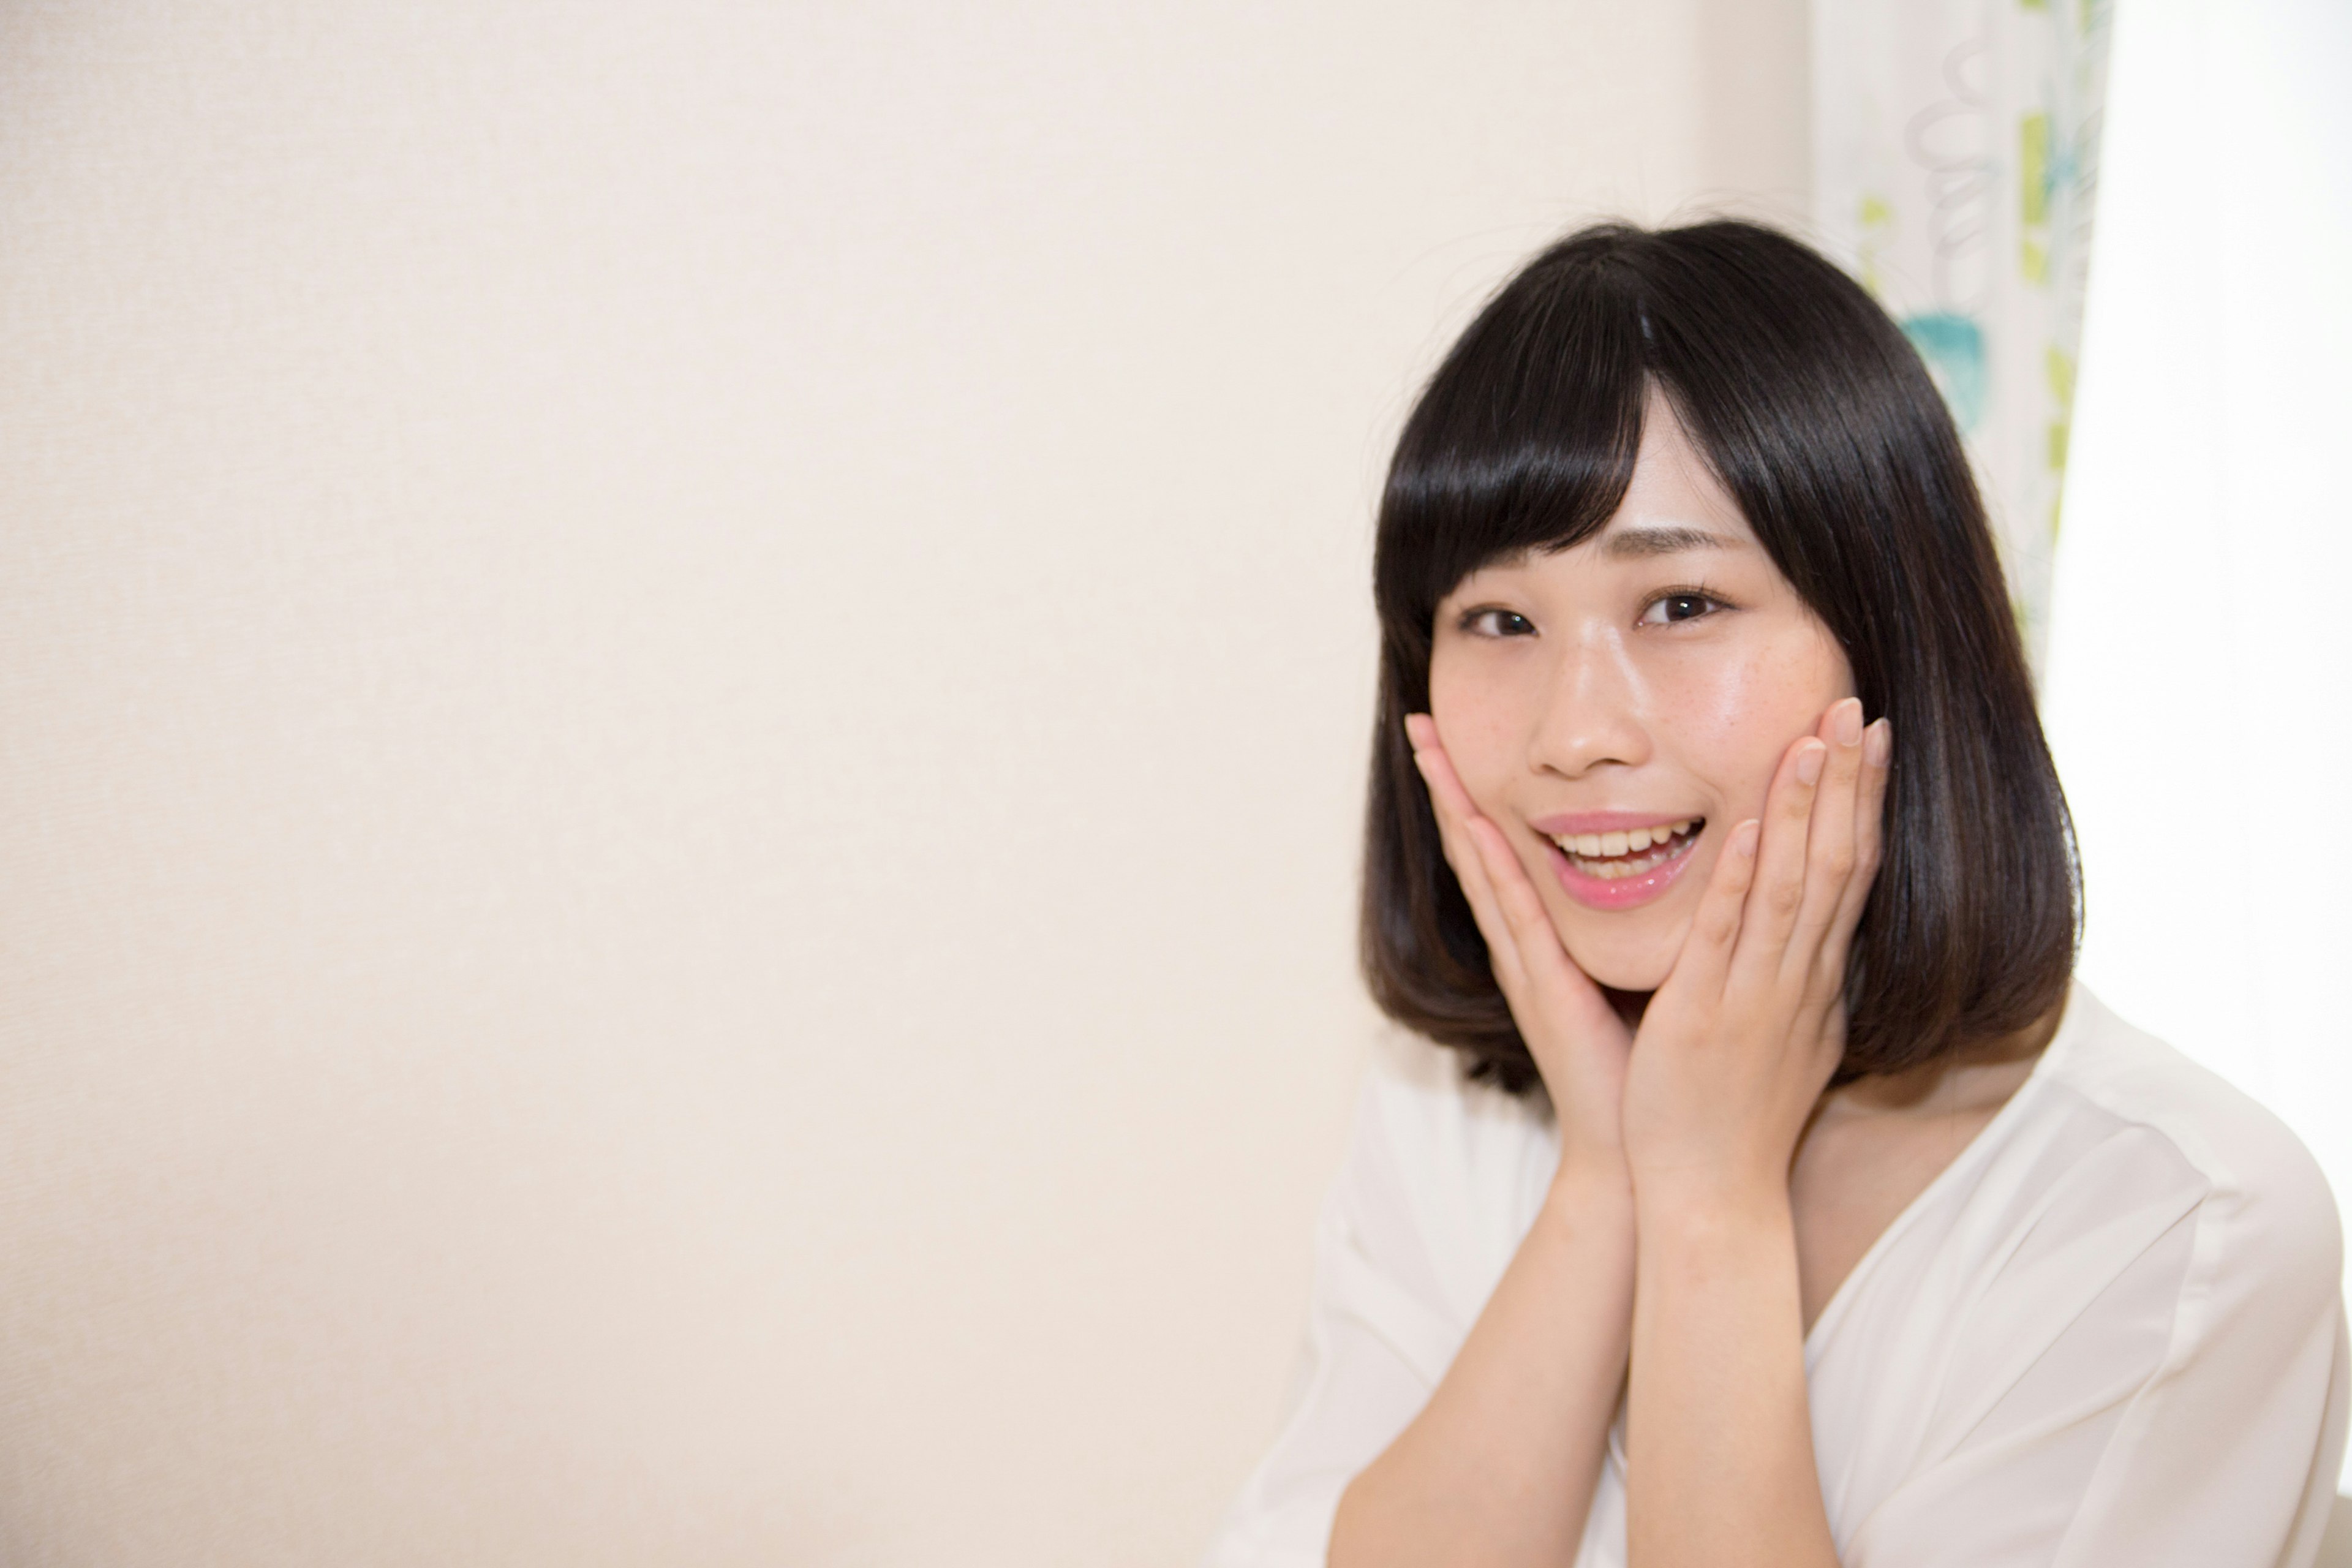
(1497, 624)
(1668, 608)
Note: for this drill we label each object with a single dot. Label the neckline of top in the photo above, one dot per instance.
(2072, 1022)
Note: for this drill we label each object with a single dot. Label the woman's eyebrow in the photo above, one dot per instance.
(1670, 540)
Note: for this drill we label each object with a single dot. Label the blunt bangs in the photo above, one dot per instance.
(1525, 440)
(1821, 424)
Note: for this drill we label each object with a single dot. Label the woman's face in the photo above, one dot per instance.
(1617, 708)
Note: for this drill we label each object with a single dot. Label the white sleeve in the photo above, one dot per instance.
(2188, 1410)
(1380, 1335)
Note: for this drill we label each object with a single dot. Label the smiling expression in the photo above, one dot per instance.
(1619, 707)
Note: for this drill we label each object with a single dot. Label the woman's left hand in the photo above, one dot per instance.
(1739, 1043)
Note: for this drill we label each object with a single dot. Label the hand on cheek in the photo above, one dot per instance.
(1740, 1040)
(1579, 1043)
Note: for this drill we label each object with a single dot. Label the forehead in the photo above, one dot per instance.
(1672, 486)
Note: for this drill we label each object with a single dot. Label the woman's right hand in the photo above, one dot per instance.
(1579, 1042)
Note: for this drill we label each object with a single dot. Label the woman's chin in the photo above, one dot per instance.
(1621, 965)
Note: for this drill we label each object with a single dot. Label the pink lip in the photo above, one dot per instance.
(1615, 892)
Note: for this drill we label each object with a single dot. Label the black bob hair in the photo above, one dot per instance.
(1819, 420)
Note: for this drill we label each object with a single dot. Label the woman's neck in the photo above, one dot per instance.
(1965, 1081)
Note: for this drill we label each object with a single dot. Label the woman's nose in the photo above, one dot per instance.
(1594, 713)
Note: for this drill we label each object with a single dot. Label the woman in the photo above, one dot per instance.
(1794, 1207)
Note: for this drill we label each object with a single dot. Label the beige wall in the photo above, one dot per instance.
(681, 691)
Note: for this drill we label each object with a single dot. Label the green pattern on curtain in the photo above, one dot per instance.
(1955, 163)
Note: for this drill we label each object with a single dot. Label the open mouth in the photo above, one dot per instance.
(1610, 857)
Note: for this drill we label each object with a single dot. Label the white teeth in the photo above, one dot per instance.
(1648, 845)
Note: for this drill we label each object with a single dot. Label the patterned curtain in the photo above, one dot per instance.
(1955, 160)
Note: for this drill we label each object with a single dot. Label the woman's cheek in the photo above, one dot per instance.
(1477, 762)
(1734, 719)
(1473, 722)
(1720, 733)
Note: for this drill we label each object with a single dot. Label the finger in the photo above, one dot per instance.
(1470, 872)
(1829, 836)
(1531, 963)
(1549, 971)
(1770, 912)
(1869, 834)
(1455, 813)
(1705, 963)
(1445, 787)
(1419, 731)
(1448, 798)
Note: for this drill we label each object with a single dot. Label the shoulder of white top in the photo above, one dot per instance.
(2252, 1158)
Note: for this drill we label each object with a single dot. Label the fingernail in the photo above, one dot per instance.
(1882, 743)
(1809, 762)
(1744, 837)
(1848, 724)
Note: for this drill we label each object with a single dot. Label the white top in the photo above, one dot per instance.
(2111, 1332)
